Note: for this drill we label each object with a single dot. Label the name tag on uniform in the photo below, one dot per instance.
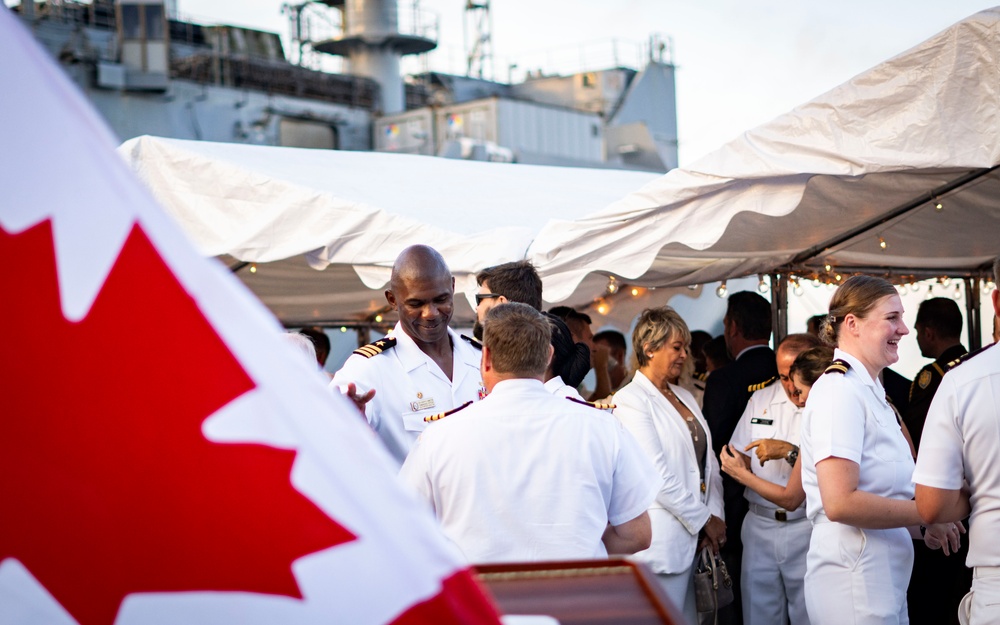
(759, 421)
(425, 404)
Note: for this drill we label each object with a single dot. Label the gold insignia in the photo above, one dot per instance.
(442, 415)
(376, 348)
(420, 395)
(753, 388)
(924, 379)
(838, 366)
(601, 404)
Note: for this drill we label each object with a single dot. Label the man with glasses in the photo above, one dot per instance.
(422, 368)
(510, 282)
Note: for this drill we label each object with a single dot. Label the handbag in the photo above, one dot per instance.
(713, 588)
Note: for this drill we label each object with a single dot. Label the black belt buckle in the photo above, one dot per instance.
(781, 515)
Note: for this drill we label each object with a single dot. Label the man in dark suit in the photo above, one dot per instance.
(747, 329)
(938, 582)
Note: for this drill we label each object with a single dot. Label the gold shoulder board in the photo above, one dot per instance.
(753, 388)
(838, 366)
(600, 404)
(376, 348)
(442, 415)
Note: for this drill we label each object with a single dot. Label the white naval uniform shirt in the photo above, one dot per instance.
(847, 416)
(960, 443)
(769, 414)
(524, 475)
(559, 388)
(409, 386)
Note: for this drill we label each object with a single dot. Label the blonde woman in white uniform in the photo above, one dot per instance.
(668, 424)
(857, 468)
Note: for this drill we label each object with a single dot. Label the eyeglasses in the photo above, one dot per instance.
(484, 296)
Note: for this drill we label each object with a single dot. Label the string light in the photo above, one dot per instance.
(343, 328)
(837, 277)
(796, 286)
(721, 290)
(827, 267)
(938, 205)
(602, 307)
(612, 285)
(958, 291)
(881, 242)
(635, 292)
(253, 267)
(762, 286)
(378, 318)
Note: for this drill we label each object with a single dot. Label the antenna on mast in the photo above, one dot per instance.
(478, 31)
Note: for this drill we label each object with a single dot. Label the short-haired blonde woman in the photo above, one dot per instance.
(668, 424)
(857, 468)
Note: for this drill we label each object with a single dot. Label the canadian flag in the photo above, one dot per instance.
(165, 457)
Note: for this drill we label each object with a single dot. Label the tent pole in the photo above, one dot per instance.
(972, 313)
(779, 306)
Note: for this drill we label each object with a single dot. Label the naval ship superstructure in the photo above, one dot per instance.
(148, 71)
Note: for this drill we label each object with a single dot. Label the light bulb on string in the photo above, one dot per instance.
(938, 205)
(378, 318)
(721, 290)
(827, 267)
(343, 328)
(796, 286)
(958, 291)
(762, 286)
(612, 285)
(635, 292)
(253, 267)
(602, 307)
(881, 242)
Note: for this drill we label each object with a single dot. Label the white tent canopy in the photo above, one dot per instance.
(829, 183)
(322, 228)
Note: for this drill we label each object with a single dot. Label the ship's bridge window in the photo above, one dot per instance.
(142, 22)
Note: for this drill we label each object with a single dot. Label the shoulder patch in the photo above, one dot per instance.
(376, 348)
(925, 377)
(442, 415)
(966, 357)
(753, 388)
(599, 404)
(471, 340)
(838, 366)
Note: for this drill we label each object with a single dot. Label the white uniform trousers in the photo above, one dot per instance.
(774, 570)
(680, 588)
(982, 605)
(858, 577)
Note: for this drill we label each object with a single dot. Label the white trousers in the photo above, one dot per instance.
(774, 570)
(982, 605)
(680, 588)
(858, 577)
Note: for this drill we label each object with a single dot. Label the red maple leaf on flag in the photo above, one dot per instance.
(107, 484)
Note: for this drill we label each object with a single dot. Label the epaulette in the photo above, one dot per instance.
(966, 357)
(442, 415)
(701, 376)
(838, 366)
(600, 404)
(753, 388)
(471, 340)
(376, 348)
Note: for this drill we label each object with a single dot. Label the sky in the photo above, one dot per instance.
(739, 63)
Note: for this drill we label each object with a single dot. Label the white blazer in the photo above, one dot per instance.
(680, 509)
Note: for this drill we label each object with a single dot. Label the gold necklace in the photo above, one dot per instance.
(689, 418)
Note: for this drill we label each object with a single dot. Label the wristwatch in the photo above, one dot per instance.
(792, 456)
